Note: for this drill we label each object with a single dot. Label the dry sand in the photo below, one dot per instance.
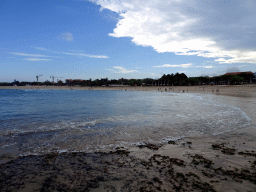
(223, 162)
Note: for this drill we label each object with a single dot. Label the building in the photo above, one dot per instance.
(237, 73)
(69, 81)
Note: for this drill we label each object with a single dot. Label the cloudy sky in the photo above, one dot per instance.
(81, 39)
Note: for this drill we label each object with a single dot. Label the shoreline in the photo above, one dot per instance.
(224, 162)
(248, 90)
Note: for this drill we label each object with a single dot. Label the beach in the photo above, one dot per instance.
(221, 162)
(247, 90)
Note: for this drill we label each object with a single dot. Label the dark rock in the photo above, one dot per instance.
(247, 154)
(229, 151)
(217, 146)
(172, 142)
(178, 162)
(120, 152)
(149, 146)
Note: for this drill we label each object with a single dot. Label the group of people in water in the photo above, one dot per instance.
(165, 89)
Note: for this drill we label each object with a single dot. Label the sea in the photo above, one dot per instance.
(40, 121)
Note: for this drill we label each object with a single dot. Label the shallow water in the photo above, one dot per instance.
(42, 121)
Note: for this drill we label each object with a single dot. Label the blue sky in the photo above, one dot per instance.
(79, 39)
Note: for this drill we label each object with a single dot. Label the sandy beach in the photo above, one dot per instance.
(247, 90)
(224, 162)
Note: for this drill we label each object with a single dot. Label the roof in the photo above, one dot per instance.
(237, 73)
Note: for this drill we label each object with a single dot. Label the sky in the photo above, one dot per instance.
(79, 39)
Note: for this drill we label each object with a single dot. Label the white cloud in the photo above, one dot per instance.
(32, 57)
(211, 29)
(66, 36)
(232, 69)
(28, 55)
(119, 69)
(40, 48)
(79, 53)
(206, 67)
(36, 59)
(177, 65)
(86, 55)
(41, 57)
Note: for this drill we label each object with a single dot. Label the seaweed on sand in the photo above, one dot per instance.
(150, 146)
(199, 159)
(225, 150)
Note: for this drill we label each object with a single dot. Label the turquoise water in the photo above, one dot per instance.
(42, 121)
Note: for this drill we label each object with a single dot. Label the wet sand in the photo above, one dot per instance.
(225, 162)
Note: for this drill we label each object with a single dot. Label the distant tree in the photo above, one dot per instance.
(16, 83)
(148, 81)
(184, 82)
(47, 82)
(176, 83)
(247, 76)
(193, 81)
(59, 82)
(236, 79)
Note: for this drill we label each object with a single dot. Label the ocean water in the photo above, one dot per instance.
(43, 121)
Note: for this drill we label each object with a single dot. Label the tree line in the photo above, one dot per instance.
(182, 80)
(177, 79)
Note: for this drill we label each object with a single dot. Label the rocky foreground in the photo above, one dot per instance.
(120, 170)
